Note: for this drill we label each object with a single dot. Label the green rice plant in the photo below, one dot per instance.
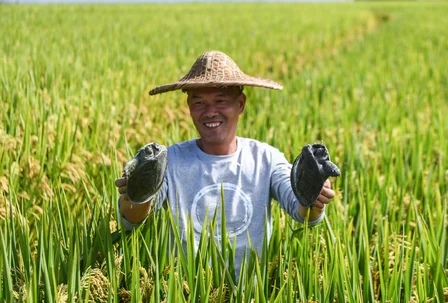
(368, 79)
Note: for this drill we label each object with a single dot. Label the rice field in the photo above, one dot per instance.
(370, 80)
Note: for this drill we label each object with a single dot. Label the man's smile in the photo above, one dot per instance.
(212, 124)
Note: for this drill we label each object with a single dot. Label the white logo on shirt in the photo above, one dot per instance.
(237, 204)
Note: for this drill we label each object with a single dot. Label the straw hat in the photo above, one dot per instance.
(214, 69)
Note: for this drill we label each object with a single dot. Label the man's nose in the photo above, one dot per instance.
(210, 110)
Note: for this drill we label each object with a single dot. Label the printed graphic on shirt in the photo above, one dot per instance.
(238, 208)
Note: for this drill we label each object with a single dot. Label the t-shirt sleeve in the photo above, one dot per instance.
(281, 189)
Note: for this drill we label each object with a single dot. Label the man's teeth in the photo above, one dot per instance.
(212, 125)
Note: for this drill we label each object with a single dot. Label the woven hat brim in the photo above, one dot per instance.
(191, 84)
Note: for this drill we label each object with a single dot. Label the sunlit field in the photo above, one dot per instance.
(369, 80)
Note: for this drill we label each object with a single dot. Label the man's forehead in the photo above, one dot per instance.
(214, 90)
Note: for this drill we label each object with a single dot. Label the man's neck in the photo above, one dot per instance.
(218, 149)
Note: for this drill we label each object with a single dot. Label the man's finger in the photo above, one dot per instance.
(123, 189)
(327, 193)
(120, 182)
(323, 199)
(319, 204)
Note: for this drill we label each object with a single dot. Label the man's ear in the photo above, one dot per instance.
(242, 102)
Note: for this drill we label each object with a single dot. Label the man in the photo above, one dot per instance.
(247, 173)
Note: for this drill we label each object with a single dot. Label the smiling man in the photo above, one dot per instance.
(249, 174)
(215, 113)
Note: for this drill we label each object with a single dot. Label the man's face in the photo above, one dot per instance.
(215, 113)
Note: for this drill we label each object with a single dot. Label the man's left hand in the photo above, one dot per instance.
(325, 196)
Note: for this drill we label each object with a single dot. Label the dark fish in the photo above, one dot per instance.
(145, 172)
(309, 172)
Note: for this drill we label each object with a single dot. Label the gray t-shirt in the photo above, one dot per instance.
(248, 180)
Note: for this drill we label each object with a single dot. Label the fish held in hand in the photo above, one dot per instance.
(145, 172)
(309, 172)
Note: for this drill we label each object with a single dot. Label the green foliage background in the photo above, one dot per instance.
(370, 80)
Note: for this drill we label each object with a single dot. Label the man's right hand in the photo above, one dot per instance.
(121, 183)
(134, 213)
